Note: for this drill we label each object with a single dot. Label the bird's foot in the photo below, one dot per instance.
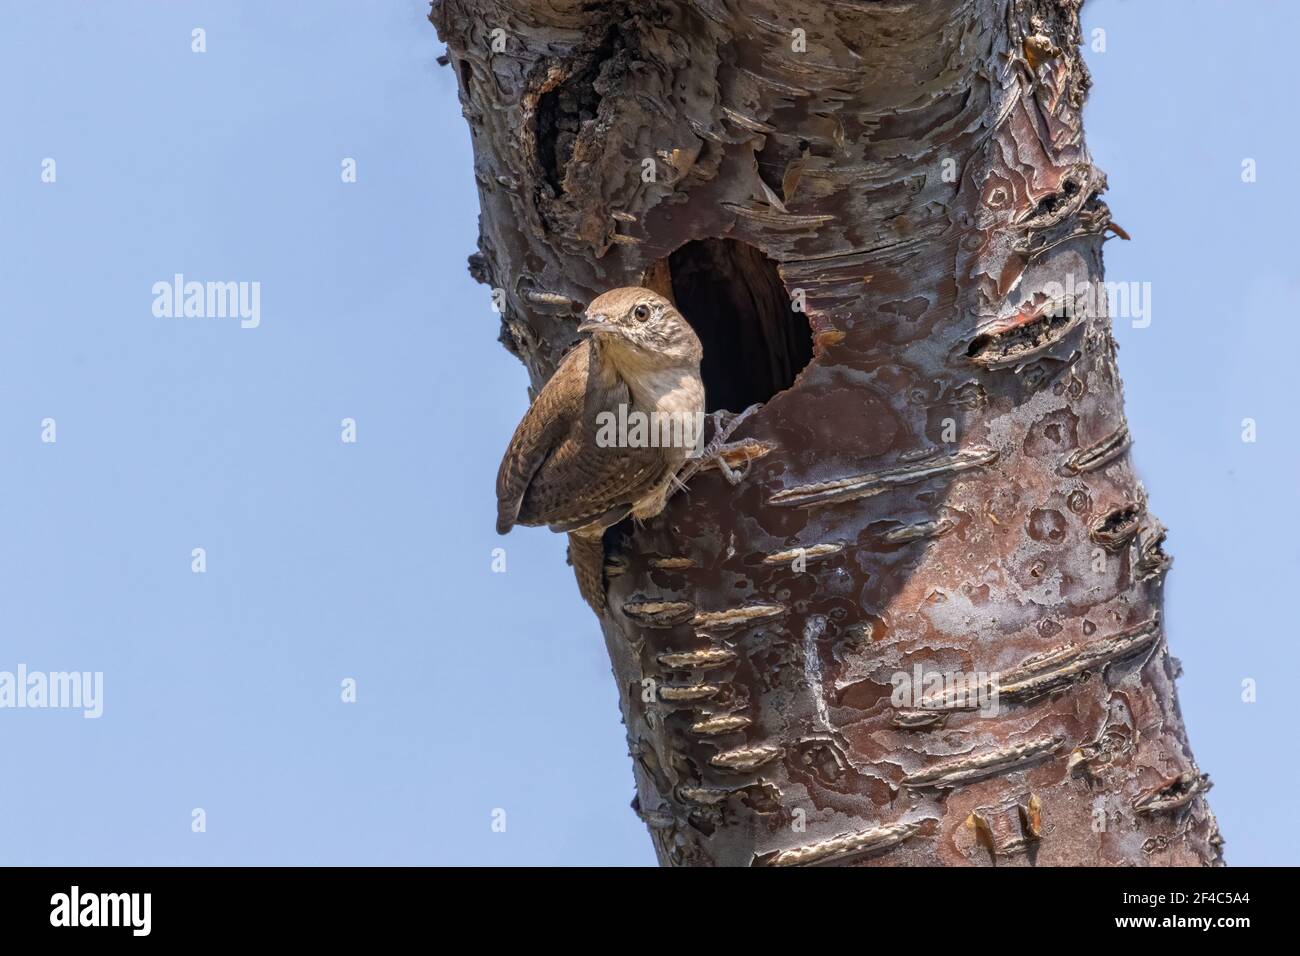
(716, 451)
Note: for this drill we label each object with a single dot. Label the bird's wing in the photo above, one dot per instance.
(582, 484)
(555, 474)
(545, 424)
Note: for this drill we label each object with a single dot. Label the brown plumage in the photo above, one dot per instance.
(643, 356)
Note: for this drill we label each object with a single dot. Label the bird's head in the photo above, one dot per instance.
(636, 325)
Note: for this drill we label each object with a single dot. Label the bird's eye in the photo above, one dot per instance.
(641, 313)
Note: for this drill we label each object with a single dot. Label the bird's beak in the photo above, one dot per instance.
(597, 322)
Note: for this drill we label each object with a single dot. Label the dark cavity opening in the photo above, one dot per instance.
(1054, 201)
(991, 348)
(754, 342)
(562, 113)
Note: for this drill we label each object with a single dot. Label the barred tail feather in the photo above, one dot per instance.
(587, 555)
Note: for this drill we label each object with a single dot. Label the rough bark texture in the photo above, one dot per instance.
(953, 460)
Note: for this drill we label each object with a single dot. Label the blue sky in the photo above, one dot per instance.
(371, 560)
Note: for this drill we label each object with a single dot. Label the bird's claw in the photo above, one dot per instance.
(734, 476)
(716, 449)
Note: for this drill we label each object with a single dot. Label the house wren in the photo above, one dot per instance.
(608, 433)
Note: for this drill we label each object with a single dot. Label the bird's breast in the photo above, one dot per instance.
(671, 392)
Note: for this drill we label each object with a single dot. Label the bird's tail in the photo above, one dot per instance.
(587, 555)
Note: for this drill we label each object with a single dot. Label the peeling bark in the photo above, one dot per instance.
(945, 484)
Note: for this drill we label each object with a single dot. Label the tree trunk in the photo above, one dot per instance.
(925, 627)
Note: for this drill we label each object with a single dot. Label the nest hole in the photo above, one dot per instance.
(565, 111)
(755, 344)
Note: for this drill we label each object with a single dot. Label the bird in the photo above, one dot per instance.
(641, 361)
